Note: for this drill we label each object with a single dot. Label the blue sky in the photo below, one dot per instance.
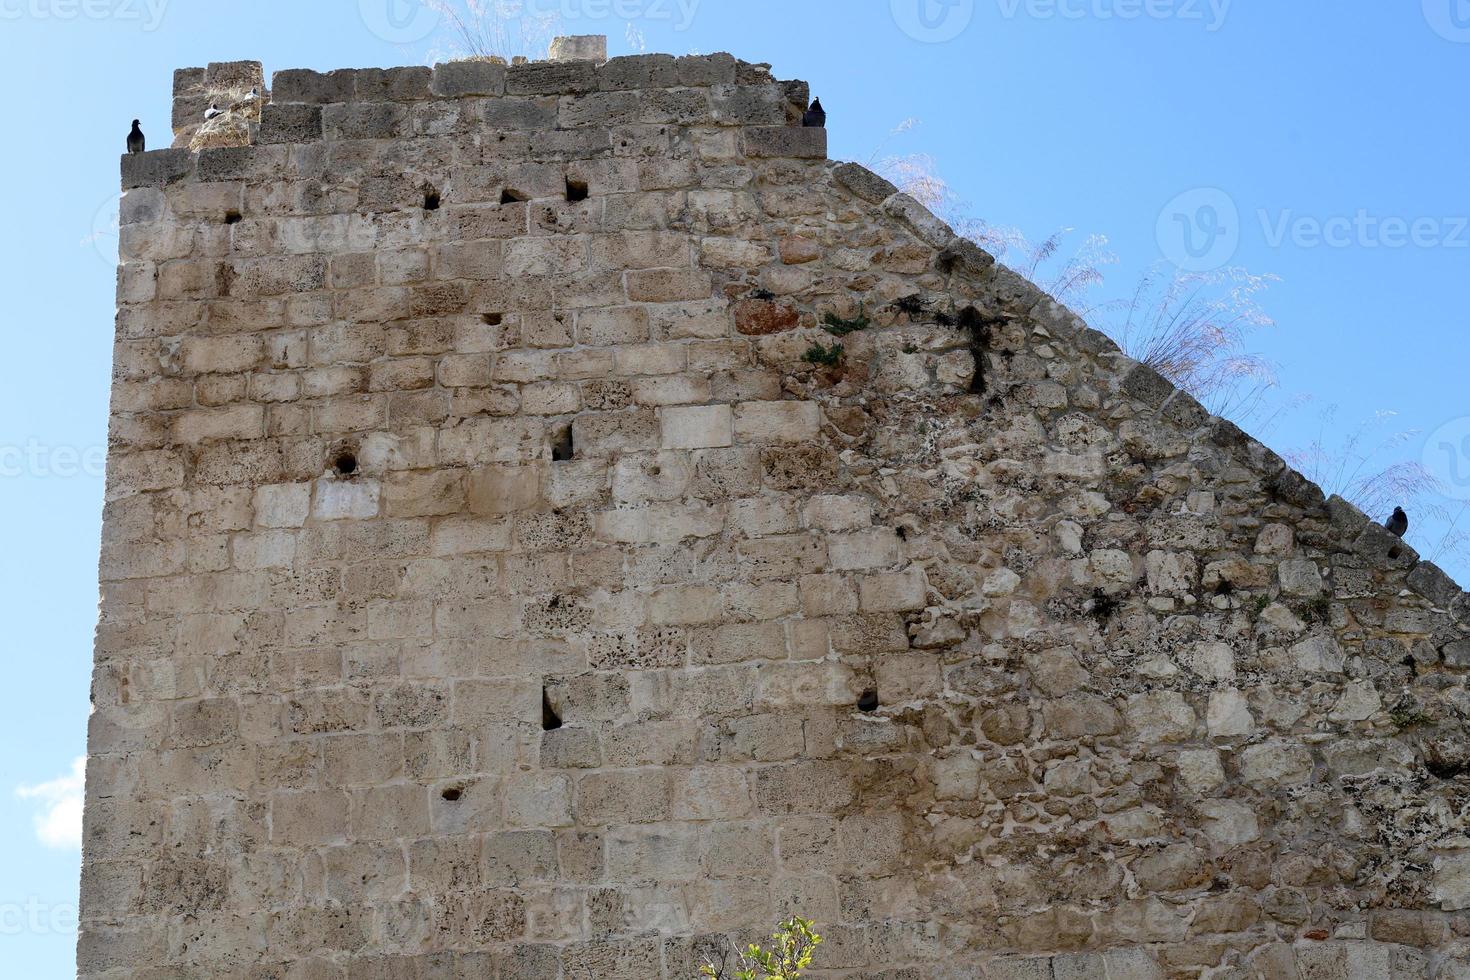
(1305, 140)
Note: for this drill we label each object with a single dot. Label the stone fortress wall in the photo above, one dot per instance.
(505, 574)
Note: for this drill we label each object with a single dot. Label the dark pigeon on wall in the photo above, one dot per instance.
(1398, 524)
(815, 117)
(135, 139)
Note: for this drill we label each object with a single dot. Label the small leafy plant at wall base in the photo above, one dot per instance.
(912, 305)
(839, 327)
(1103, 605)
(825, 356)
(790, 954)
(1408, 713)
(1317, 611)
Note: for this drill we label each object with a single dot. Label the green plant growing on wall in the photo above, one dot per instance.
(825, 356)
(1317, 610)
(840, 327)
(791, 953)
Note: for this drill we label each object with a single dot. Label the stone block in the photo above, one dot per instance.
(188, 81)
(706, 70)
(391, 84)
(242, 75)
(290, 123)
(156, 168)
(696, 427)
(365, 121)
(783, 421)
(639, 71)
(456, 79)
(1229, 715)
(346, 500)
(668, 285)
(313, 87)
(1147, 385)
(1376, 544)
(893, 592)
(930, 228)
(579, 47)
(1432, 583)
(551, 78)
(762, 142)
(863, 182)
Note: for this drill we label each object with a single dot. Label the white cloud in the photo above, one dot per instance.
(59, 822)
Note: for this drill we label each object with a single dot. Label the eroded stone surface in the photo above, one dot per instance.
(418, 450)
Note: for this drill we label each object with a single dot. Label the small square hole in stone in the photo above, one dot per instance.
(550, 720)
(561, 444)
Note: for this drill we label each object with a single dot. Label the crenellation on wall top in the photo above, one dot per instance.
(579, 47)
(489, 78)
(236, 86)
(575, 88)
(227, 104)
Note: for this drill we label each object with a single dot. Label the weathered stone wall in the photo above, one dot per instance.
(466, 398)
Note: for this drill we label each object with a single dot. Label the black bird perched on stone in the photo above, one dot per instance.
(135, 139)
(815, 117)
(1398, 524)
